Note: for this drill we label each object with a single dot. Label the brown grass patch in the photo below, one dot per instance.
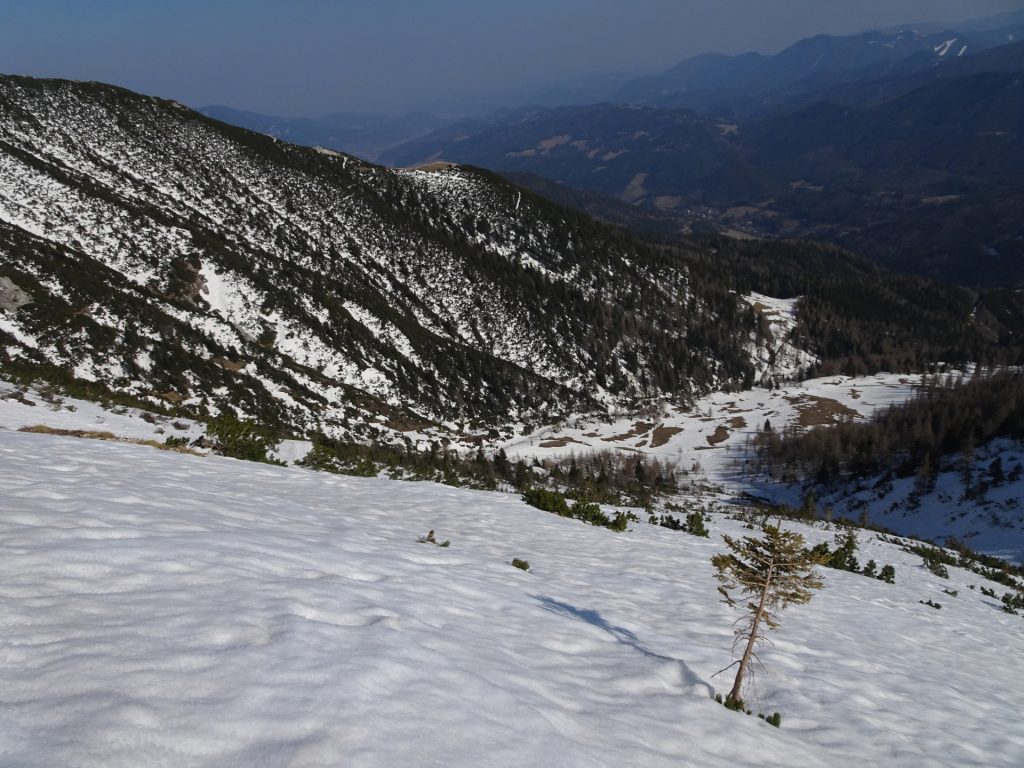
(560, 442)
(639, 428)
(404, 423)
(89, 434)
(738, 422)
(818, 411)
(663, 434)
(721, 435)
(227, 365)
(438, 165)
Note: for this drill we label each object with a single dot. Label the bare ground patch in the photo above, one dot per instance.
(87, 434)
(560, 442)
(639, 428)
(721, 435)
(817, 411)
(663, 434)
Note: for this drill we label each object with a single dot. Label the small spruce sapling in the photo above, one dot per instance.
(695, 524)
(775, 571)
(843, 558)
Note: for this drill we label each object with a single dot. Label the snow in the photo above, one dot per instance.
(992, 522)
(168, 610)
(780, 358)
(943, 48)
(729, 419)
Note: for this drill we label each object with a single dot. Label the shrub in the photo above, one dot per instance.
(548, 501)
(619, 523)
(590, 512)
(888, 574)
(735, 704)
(430, 539)
(522, 565)
(1013, 602)
(667, 521)
(843, 557)
(695, 524)
(242, 439)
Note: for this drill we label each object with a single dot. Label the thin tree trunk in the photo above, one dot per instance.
(734, 694)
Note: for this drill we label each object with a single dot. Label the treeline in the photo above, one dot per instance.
(947, 416)
(860, 318)
(608, 477)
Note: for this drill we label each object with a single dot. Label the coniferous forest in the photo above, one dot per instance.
(947, 416)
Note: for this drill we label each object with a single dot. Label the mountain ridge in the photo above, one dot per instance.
(207, 268)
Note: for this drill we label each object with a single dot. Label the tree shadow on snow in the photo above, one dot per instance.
(622, 636)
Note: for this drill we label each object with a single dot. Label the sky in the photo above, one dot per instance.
(315, 57)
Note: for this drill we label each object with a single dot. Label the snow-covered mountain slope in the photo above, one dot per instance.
(175, 258)
(706, 444)
(979, 501)
(169, 610)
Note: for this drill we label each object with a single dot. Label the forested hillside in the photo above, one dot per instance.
(176, 260)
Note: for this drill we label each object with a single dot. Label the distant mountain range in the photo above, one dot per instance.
(365, 136)
(916, 164)
(904, 145)
(751, 83)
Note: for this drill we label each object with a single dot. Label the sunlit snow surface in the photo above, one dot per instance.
(166, 610)
(714, 430)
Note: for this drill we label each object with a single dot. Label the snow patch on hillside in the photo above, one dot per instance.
(775, 357)
(714, 431)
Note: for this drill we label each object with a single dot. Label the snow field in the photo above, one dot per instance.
(690, 435)
(167, 610)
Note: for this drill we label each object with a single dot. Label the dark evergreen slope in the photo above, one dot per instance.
(173, 258)
(945, 418)
(168, 254)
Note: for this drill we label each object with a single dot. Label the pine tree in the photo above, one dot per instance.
(775, 571)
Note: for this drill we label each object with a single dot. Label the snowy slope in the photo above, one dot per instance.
(183, 261)
(167, 610)
(714, 431)
(990, 521)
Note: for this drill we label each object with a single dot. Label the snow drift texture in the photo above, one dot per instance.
(168, 610)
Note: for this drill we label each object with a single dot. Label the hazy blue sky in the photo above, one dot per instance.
(314, 57)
